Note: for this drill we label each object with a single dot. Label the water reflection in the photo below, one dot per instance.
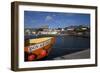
(68, 44)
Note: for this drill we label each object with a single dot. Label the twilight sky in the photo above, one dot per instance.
(36, 19)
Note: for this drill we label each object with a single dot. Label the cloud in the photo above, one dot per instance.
(48, 18)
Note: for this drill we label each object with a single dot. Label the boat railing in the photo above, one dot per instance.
(39, 45)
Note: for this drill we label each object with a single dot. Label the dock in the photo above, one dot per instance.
(77, 55)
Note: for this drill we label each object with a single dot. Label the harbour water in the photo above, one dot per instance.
(68, 44)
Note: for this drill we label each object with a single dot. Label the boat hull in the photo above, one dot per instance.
(39, 50)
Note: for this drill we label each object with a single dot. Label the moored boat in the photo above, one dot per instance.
(38, 48)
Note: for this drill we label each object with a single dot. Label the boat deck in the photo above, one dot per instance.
(39, 40)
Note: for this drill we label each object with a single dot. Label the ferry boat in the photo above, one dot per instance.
(38, 48)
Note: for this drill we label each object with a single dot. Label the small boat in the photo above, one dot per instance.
(38, 48)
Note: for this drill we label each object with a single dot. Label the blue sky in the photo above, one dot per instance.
(36, 19)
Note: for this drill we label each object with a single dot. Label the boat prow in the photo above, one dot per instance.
(38, 48)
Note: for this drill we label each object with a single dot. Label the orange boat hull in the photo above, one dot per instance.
(39, 53)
